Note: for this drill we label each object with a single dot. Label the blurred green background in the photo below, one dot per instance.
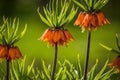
(32, 48)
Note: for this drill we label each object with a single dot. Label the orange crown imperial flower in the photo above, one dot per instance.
(92, 17)
(91, 20)
(9, 36)
(56, 16)
(59, 36)
(10, 53)
(116, 63)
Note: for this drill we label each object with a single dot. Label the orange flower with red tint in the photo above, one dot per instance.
(80, 18)
(116, 63)
(60, 36)
(101, 18)
(3, 51)
(10, 53)
(7, 49)
(91, 20)
(14, 53)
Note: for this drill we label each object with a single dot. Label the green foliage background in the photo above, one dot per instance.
(32, 48)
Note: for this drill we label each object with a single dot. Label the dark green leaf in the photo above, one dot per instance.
(101, 71)
(80, 5)
(117, 42)
(43, 19)
(110, 49)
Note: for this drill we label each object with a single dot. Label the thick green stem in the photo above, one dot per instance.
(55, 61)
(7, 70)
(87, 56)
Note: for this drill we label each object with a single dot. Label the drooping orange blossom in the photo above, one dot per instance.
(59, 36)
(91, 20)
(10, 53)
(7, 48)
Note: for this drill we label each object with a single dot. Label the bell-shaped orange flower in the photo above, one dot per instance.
(116, 63)
(14, 53)
(80, 18)
(10, 53)
(3, 51)
(91, 20)
(59, 36)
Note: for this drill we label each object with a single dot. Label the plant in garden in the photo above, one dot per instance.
(91, 18)
(57, 14)
(116, 62)
(66, 71)
(8, 37)
(20, 70)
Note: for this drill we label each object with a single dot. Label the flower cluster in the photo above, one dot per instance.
(91, 20)
(59, 36)
(10, 53)
(116, 63)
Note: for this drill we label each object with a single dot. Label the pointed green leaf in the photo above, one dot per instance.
(97, 4)
(103, 3)
(48, 17)
(59, 73)
(117, 42)
(16, 29)
(79, 4)
(63, 11)
(22, 66)
(30, 67)
(107, 75)
(11, 74)
(43, 19)
(92, 71)
(17, 38)
(14, 71)
(2, 27)
(45, 70)
(110, 49)
(86, 2)
(8, 30)
(13, 24)
(101, 71)
(79, 67)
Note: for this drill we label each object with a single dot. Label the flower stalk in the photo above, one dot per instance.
(7, 69)
(87, 56)
(91, 18)
(55, 61)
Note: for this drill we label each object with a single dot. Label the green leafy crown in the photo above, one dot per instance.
(57, 14)
(9, 32)
(91, 5)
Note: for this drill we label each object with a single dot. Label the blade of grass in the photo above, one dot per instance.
(30, 67)
(117, 42)
(92, 72)
(110, 49)
(79, 4)
(47, 74)
(97, 77)
(43, 19)
(14, 71)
